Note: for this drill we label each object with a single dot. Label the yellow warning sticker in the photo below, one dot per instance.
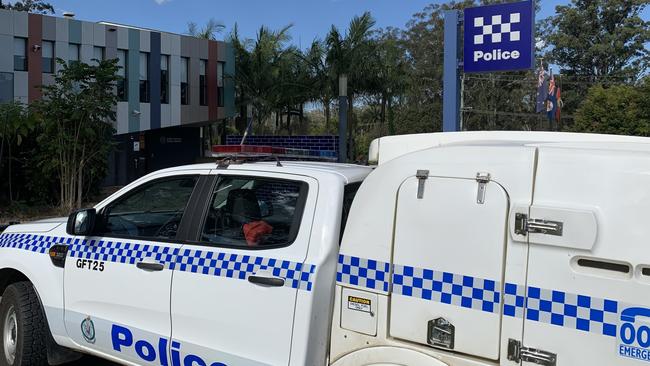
(359, 304)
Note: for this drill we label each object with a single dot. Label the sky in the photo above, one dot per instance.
(310, 18)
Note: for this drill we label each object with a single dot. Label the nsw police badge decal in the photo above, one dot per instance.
(88, 330)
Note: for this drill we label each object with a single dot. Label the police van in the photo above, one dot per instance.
(464, 249)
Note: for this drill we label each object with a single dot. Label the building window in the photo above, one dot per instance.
(144, 77)
(185, 90)
(220, 67)
(98, 54)
(73, 53)
(122, 82)
(164, 79)
(20, 54)
(47, 48)
(203, 85)
(6, 87)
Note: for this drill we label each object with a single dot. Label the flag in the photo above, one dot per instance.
(551, 100)
(559, 103)
(542, 89)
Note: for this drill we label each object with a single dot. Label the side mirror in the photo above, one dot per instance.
(81, 222)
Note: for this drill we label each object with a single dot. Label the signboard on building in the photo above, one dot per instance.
(499, 37)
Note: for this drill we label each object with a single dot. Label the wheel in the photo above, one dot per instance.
(23, 327)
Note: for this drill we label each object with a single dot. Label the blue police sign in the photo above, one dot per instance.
(499, 37)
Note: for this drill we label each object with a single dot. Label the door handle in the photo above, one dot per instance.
(150, 266)
(266, 281)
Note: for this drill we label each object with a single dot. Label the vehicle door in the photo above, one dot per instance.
(234, 289)
(117, 283)
(448, 264)
(588, 272)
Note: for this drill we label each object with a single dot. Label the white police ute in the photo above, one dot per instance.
(482, 248)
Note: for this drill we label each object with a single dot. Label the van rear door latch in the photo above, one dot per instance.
(421, 175)
(518, 353)
(524, 226)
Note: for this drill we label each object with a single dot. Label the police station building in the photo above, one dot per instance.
(173, 84)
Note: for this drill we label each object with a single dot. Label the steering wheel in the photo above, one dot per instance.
(170, 227)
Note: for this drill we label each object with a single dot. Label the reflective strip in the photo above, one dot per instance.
(206, 262)
(575, 311)
(447, 288)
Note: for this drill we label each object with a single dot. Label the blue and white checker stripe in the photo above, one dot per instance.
(237, 266)
(30, 242)
(122, 252)
(204, 262)
(448, 288)
(363, 272)
(574, 311)
(581, 312)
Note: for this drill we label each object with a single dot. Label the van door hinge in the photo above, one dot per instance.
(517, 353)
(483, 179)
(524, 225)
(421, 175)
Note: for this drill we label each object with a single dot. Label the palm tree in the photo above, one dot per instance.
(349, 55)
(209, 31)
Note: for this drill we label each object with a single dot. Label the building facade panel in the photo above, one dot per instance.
(74, 31)
(34, 56)
(145, 41)
(99, 35)
(60, 51)
(122, 118)
(122, 38)
(212, 80)
(165, 43)
(62, 30)
(175, 87)
(134, 79)
(6, 23)
(21, 86)
(165, 115)
(145, 116)
(6, 58)
(87, 33)
(87, 53)
(20, 24)
(155, 77)
(49, 28)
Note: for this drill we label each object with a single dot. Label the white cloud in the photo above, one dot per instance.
(161, 2)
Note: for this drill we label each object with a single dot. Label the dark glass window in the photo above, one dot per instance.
(144, 77)
(220, 68)
(203, 84)
(122, 82)
(164, 79)
(254, 212)
(6, 87)
(47, 49)
(348, 197)
(185, 92)
(20, 54)
(153, 210)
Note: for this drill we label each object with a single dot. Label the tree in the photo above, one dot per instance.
(618, 109)
(349, 54)
(77, 111)
(600, 38)
(15, 125)
(31, 6)
(209, 31)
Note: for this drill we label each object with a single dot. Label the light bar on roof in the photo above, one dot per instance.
(221, 151)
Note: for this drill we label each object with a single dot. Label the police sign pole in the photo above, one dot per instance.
(496, 38)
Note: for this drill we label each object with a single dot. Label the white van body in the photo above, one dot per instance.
(485, 248)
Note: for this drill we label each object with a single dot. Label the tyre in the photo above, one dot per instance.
(22, 327)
